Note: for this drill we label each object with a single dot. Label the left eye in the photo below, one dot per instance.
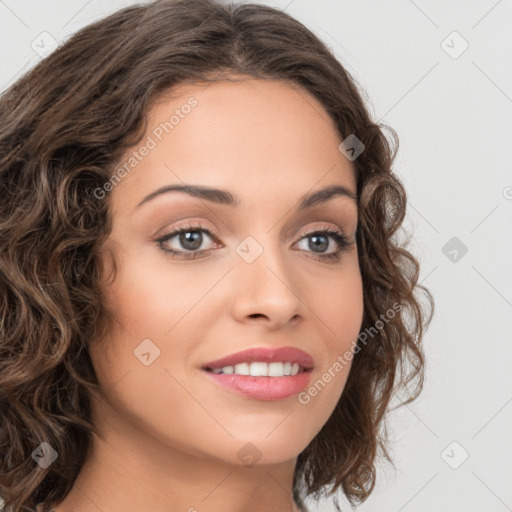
(320, 240)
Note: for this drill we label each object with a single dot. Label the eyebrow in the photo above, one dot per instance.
(224, 197)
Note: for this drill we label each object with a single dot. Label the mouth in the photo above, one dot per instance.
(262, 373)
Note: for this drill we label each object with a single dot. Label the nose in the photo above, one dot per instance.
(266, 290)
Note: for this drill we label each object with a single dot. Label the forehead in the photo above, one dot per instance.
(256, 137)
(257, 105)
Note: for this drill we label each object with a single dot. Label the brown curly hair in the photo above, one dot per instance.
(63, 128)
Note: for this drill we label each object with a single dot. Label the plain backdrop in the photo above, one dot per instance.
(440, 74)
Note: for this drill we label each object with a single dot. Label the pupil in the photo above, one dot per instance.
(193, 237)
(322, 245)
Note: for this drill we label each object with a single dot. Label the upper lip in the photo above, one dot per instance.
(264, 354)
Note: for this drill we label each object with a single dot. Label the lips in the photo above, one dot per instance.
(265, 355)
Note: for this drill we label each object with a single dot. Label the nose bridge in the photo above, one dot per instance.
(263, 249)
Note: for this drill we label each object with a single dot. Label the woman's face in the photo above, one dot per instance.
(245, 276)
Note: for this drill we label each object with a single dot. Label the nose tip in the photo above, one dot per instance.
(267, 291)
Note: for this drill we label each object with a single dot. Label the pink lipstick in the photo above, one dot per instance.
(263, 373)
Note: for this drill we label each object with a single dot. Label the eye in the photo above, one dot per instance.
(320, 241)
(189, 237)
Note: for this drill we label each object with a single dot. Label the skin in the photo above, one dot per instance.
(170, 436)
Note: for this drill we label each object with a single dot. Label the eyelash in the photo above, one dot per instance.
(337, 236)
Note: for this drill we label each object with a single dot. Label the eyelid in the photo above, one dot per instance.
(195, 224)
(324, 226)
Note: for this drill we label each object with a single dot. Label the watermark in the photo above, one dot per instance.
(351, 147)
(454, 249)
(44, 44)
(343, 360)
(455, 455)
(146, 352)
(151, 142)
(249, 455)
(507, 193)
(45, 455)
(249, 249)
(454, 45)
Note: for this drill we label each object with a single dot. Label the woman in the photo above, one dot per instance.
(205, 305)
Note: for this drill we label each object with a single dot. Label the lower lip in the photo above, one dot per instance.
(263, 388)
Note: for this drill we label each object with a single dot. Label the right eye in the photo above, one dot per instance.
(189, 237)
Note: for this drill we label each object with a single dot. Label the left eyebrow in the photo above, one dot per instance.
(227, 198)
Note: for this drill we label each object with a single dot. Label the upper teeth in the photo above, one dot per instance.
(258, 369)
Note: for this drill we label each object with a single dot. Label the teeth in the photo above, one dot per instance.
(241, 369)
(260, 369)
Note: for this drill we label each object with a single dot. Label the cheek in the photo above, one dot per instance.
(150, 300)
(347, 323)
(149, 295)
(339, 304)
(339, 307)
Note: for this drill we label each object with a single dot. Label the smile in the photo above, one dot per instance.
(261, 369)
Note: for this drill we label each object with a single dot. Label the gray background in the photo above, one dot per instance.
(452, 110)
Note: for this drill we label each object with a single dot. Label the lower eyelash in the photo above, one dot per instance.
(340, 239)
